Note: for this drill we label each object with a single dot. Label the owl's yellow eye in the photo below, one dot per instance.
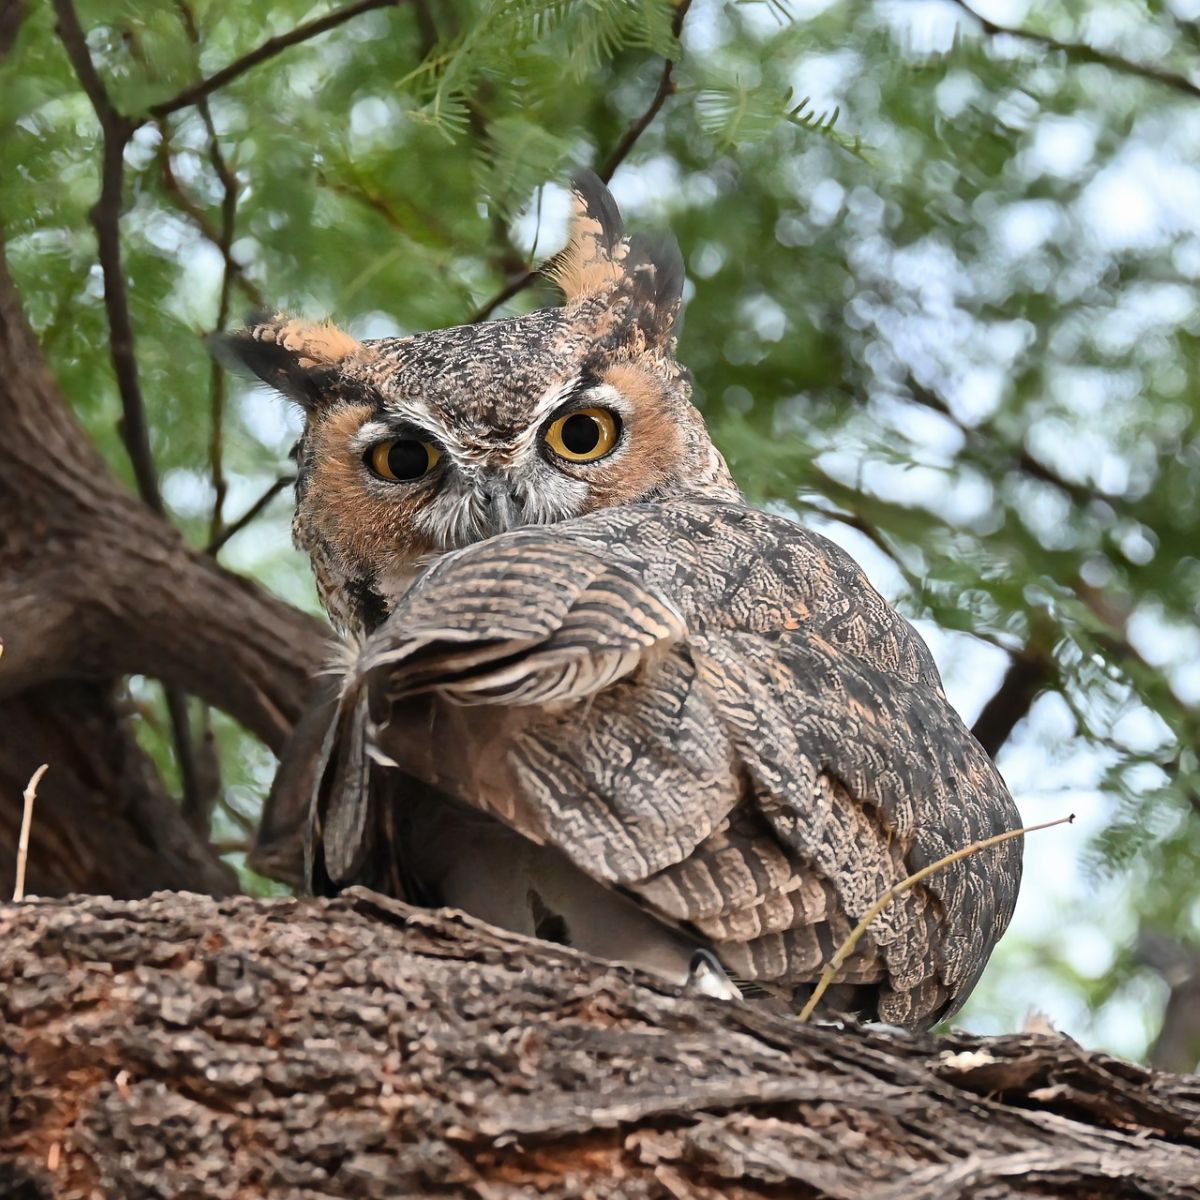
(583, 435)
(403, 460)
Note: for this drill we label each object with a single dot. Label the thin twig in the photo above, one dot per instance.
(507, 292)
(619, 153)
(257, 507)
(267, 50)
(1085, 53)
(116, 130)
(26, 824)
(200, 219)
(185, 748)
(847, 947)
(229, 200)
(666, 86)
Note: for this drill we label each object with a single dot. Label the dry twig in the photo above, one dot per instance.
(835, 964)
(26, 824)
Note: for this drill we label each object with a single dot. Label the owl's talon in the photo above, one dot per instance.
(706, 977)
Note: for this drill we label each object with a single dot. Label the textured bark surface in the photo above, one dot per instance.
(188, 1047)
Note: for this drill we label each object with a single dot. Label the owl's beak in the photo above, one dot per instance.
(504, 509)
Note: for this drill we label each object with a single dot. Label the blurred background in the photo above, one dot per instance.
(943, 267)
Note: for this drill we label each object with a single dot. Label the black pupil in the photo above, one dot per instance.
(581, 433)
(408, 459)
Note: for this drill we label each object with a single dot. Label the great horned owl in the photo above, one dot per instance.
(596, 697)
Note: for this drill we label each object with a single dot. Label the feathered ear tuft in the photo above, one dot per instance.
(590, 263)
(599, 260)
(298, 358)
(655, 274)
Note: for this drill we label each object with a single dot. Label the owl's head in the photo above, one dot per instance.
(417, 445)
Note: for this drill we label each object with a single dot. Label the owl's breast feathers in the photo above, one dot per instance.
(703, 707)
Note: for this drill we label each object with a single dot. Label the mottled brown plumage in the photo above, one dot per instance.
(605, 701)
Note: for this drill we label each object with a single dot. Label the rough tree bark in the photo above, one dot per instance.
(186, 1047)
(93, 587)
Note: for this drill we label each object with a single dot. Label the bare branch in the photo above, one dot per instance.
(666, 86)
(1029, 674)
(116, 130)
(185, 755)
(506, 293)
(196, 214)
(249, 515)
(1082, 52)
(267, 50)
(229, 200)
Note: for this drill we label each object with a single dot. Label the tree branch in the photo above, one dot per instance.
(266, 51)
(358, 1047)
(116, 130)
(1029, 674)
(229, 202)
(666, 86)
(1085, 53)
(200, 218)
(121, 594)
(506, 293)
(249, 515)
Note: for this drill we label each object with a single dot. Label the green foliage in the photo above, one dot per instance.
(944, 307)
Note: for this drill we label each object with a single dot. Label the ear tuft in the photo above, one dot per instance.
(599, 260)
(590, 263)
(654, 268)
(298, 358)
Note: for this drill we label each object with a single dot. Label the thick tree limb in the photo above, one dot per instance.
(94, 584)
(358, 1048)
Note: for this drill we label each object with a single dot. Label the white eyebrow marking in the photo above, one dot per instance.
(418, 412)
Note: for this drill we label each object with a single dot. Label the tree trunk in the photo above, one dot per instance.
(187, 1047)
(103, 822)
(94, 586)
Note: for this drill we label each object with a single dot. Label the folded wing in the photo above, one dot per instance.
(702, 706)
